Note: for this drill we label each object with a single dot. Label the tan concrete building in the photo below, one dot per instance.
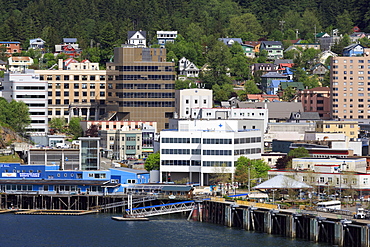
(349, 128)
(350, 80)
(75, 90)
(141, 85)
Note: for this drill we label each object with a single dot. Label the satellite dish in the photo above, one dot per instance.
(297, 115)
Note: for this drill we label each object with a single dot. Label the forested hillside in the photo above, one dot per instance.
(107, 22)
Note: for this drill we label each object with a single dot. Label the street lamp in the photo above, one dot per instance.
(340, 180)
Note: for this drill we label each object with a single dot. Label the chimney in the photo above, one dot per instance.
(60, 64)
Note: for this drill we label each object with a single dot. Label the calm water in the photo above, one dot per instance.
(100, 230)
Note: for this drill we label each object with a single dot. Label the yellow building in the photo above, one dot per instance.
(75, 90)
(349, 128)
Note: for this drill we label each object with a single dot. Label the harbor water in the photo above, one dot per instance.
(101, 230)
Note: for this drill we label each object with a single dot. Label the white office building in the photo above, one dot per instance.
(28, 87)
(187, 99)
(200, 149)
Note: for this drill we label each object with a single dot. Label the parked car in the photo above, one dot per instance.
(61, 145)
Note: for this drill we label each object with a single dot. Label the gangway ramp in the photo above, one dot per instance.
(169, 208)
(124, 203)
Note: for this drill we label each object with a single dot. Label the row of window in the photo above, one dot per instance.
(217, 141)
(30, 96)
(35, 105)
(176, 162)
(30, 88)
(247, 151)
(128, 138)
(145, 95)
(217, 152)
(196, 163)
(145, 68)
(147, 104)
(75, 77)
(351, 78)
(330, 180)
(351, 72)
(175, 151)
(142, 86)
(180, 140)
(76, 85)
(217, 163)
(142, 77)
(351, 61)
(76, 94)
(247, 140)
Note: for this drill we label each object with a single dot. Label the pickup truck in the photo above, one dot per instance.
(360, 214)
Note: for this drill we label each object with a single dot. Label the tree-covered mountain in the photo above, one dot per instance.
(105, 23)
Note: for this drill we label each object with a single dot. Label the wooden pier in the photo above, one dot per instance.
(311, 226)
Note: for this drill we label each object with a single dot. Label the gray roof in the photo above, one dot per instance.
(276, 110)
(282, 182)
(70, 40)
(274, 75)
(226, 40)
(305, 116)
(272, 42)
(130, 170)
(131, 33)
(279, 61)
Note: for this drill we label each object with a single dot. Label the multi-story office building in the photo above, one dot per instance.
(32, 90)
(350, 85)
(203, 148)
(75, 90)
(141, 85)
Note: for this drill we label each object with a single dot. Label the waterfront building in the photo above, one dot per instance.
(349, 78)
(65, 158)
(16, 178)
(141, 85)
(328, 174)
(199, 150)
(75, 89)
(30, 88)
